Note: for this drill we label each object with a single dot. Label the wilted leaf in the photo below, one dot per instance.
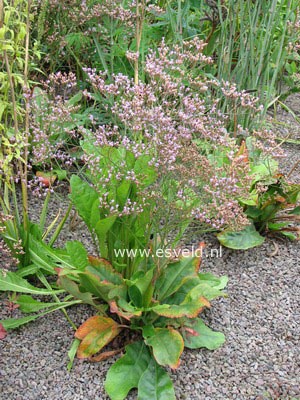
(105, 355)
(127, 314)
(125, 374)
(167, 345)
(95, 333)
(155, 384)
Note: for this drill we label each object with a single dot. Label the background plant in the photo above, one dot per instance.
(253, 43)
(18, 151)
(272, 208)
(14, 43)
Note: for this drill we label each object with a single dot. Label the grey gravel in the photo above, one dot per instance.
(261, 320)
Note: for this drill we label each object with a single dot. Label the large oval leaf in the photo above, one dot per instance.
(241, 240)
(125, 374)
(167, 345)
(196, 334)
(155, 384)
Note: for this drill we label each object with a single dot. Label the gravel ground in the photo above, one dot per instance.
(260, 318)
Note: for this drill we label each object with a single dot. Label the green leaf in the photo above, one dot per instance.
(104, 270)
(12, 323)
(72, 353)
(95, 333)
(190, 307)
(167, 345)
(145, 173)
(75, 99)
(174, 275)
(141, 291)
(29, 270)
(123, 192)
(104, 225)
(214, 281)
(241, 240)
(253, 212)
(199, 335)
(295, 211)
(275, 226)
(195, 287)
(78, 254)
(92, 283)
(155, 384)
(289, 235)
(60, 173)
(124, 309)
(126, 373)
(85, 200)
(29, 305)
(72, 288)
(267, 169)
(12, 282)
(101, 229)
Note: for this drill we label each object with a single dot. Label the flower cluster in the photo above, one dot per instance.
(173, 119)
(54, 134)
(53, 128)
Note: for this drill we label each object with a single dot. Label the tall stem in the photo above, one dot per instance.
(26, 132)
(140, 11)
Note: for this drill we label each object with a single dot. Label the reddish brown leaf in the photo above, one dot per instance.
(3, 332)
(280, 199)
(204, 301)
(105, 355)
(58, 270)
(200, 248)
(124, 314)
(92, 323)
(95, 333)
(46, 179)
(190, 331)
(94, 261)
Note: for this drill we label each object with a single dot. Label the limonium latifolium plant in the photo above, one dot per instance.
(158, 157)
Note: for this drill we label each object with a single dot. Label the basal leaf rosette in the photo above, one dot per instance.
(160, 307)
